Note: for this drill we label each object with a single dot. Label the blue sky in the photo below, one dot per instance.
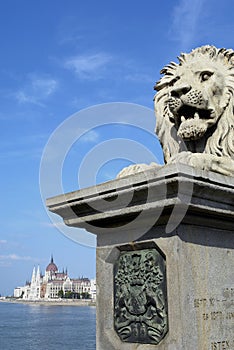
(58, 58)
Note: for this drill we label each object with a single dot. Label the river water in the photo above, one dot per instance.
(34, 327)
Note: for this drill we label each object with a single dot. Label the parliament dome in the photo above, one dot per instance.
(51, 267)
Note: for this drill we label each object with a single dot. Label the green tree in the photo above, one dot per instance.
(68, 295)
(86, 295)
(60, 294)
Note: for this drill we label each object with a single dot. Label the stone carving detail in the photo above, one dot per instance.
(140, 310)
(194, 107)
(194, 110)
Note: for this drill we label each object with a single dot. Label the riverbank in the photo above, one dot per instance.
(51, 302)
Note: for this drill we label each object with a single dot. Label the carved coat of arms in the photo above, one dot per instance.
(140, 314)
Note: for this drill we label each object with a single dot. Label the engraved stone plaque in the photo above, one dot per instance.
(140, 301)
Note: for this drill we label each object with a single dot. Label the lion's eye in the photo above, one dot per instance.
(205, 75)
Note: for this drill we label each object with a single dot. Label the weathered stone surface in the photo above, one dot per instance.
(140, 297)
(187, 215)
(200, 290)
(154, 197)
(194, 110)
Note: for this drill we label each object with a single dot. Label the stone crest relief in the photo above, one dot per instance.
(140, 303)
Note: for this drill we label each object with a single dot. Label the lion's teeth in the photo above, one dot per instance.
(183, 118)
(196, 115)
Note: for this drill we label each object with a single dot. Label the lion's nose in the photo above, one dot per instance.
(180, 90)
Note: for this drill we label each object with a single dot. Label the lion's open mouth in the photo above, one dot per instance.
(188, 112)
(192, 122)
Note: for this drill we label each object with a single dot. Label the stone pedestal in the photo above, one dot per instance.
(165, 262)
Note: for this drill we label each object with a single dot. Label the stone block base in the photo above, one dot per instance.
(200, 290)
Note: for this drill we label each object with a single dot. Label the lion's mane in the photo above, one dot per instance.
(220, 140)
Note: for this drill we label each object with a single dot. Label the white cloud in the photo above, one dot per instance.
(88, 66)
(22, 97)
(16, 257)
(44, 86)
(36, 91)
(186, 15)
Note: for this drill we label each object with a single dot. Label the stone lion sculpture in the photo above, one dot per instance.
(194, 107)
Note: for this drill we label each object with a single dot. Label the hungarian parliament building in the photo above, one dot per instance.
(55, 284)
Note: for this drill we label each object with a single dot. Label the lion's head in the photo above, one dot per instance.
(194, 103)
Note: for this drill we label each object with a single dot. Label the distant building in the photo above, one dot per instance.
(55, 284)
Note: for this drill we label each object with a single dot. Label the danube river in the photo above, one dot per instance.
(47, 327)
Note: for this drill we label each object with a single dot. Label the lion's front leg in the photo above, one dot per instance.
(208, 162)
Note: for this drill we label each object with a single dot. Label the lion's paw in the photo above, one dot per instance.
(136, 168)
